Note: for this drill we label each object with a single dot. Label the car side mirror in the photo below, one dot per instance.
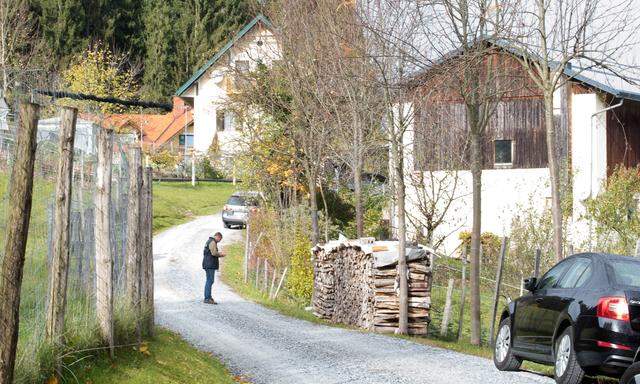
(530, 284)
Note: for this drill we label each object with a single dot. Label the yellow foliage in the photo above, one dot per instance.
(100, 72)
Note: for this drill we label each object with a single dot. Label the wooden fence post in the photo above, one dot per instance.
(463, 283)
(257, 272)
(147, 252)
(59, 274)
(273, 282)
(134, 232)
(19, 211)
(104, 255)
(496, 294)
(265, 283)
(275, 295)
(536, 268)
(638, 248)
(245, 269)
(447, 309)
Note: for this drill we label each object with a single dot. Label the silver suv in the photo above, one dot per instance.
(236, 211)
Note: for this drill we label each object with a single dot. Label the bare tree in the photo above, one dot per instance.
(17, 38)
(555, 34)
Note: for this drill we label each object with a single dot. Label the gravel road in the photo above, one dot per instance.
(264, 346)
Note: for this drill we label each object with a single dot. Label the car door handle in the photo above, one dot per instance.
(539, 300)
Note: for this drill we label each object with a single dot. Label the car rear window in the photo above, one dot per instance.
(235, 200)
(626, 272)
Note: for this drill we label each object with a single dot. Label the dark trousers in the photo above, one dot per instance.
(211, 274)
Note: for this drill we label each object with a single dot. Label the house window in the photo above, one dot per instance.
(221, 122)
(503, 152)
(186, 140)
(242, 70)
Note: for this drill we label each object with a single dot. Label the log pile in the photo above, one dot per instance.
(358, 284)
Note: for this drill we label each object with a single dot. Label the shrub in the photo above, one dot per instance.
(300, 280)
(615, 211)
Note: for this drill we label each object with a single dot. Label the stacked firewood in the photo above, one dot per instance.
(358, 284)
(386, 302)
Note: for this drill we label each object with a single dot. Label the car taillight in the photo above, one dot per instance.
(615, 308)
(605, 344)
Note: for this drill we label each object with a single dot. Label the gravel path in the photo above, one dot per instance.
(266, 347)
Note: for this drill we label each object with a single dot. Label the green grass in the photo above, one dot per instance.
(176, 202)
(168, 359)
(232, 274)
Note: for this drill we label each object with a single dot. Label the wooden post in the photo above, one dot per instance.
(536, 268)
(273, 282)
(496, 294)
(104, 255)
(265, 283)
(59, 274)
(19, 211)
(134, 232)
(147, 300)
(447, 309)
(463, 284)
(245, 268)
(275, 295)
(638, 248)
(257, 272)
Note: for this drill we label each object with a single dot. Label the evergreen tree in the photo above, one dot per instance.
(62, 24)
(159, 63)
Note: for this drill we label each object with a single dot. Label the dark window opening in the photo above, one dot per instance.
(186, 140)
(220, 120)
(503, 151)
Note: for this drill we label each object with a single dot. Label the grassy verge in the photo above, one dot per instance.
(164, 359)
(232, 274)
(176, 203)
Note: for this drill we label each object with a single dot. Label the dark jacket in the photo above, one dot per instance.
(210, 260)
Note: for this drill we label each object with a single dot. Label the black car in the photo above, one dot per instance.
(582, 316)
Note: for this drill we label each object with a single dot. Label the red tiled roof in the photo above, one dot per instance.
(155, 129)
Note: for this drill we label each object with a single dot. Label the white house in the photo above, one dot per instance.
(597, 117)
(208, 90)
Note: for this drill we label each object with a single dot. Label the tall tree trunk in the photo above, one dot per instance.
(357, 191)
(554, 174)
(476, 228)
(357, 179)
(403, 299)
(313, 207)
(19, 213)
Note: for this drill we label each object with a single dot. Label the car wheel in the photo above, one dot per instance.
(631, 375)
(226, 225)
(566, 367)
(503, 357)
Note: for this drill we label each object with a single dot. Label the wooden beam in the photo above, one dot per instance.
(59, 274)
(102, 228)
(134, 232)
(16, 238)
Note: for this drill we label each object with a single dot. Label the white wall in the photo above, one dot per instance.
(588, 155)
(504, 193)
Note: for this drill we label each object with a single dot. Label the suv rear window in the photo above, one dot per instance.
(235, 200)
(626, 272)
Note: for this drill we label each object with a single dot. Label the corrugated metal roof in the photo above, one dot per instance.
(220, 53)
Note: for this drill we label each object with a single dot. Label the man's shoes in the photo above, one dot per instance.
(209, 301)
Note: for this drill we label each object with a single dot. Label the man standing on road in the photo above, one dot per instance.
(210, 264)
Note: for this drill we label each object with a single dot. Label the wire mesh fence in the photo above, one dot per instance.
(35, 357)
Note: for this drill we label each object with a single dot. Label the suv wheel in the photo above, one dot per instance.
(503, 357)
(631, 375)
(566, 367)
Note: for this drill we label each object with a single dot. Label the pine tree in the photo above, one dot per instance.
(159, 79)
